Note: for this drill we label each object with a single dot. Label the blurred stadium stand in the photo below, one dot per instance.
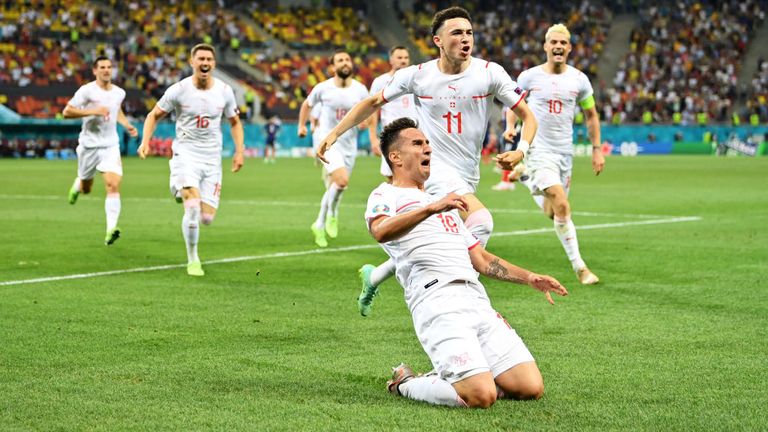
(670, 62)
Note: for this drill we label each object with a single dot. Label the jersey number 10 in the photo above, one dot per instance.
(555, 106)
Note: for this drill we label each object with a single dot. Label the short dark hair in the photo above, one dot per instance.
(446, 14)
(391, 133)
(100, 58)
(395, 48)
(203, 47)
(338, 51)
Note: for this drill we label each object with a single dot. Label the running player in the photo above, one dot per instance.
(199, 102)
(554, 90)
(336, 96)
(98, 104)
(454, 96)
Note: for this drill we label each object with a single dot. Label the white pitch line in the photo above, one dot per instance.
(313, 204)
(327, 250)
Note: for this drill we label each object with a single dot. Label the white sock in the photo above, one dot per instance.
(335, 199)
(566, 232)
(112, 209)
(382, 272)
(76, 186)
(190, 228)
(431, 389)
(324, 205)
(539, 200)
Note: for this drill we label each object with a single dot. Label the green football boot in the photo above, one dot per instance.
(369, 291)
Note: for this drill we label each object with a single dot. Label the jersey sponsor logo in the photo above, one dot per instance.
(450, 87)
(380, 208)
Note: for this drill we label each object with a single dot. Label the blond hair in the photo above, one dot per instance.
(558, 28)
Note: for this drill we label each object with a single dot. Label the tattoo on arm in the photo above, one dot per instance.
(497, 271)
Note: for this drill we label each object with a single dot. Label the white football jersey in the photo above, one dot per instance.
(554, 99)
(454, 110)
(433, 253)
(98, 131)
(402, 106)
(198, 117)
(335, 102)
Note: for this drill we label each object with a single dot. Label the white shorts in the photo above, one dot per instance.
(441, 183)
(337, 159)
(464, 336)
(101, 159)
(549, 169)
(204, 177)
(384, 169)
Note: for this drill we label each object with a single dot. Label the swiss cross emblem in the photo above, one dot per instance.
(452, 104)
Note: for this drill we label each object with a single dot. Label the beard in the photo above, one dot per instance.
(344, 73)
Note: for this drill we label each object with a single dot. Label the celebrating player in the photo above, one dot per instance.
(477, 356)
(199, 103)
(98, 103)
(454, 96)
(336, 96)
(554, 88)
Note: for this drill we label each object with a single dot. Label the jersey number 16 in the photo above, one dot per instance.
(201, 121)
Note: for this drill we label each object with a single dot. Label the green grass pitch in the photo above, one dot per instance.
(674, 338)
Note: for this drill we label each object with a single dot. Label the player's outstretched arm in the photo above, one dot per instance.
(238, 136)
(492, 266)
(592, 119)
(385, 228)
(361, 111)
(508, 160)
(73, 112)
(373, 126)
(123, 120)
(150, 124)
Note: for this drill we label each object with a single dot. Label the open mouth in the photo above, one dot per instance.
(465, 49)
(558, 52)
(425, 163)
(205, 69)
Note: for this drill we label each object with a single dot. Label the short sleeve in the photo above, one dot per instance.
(469, 238)
(585, 87)
(503, 88)
(80, 99)
(401, 84)
(380, 203)
(230, 104)
(169, 101)
(315, 95)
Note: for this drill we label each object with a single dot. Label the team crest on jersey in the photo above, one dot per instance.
(380, 208)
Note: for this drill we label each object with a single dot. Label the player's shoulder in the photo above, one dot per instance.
(382, 191)
(535, 71)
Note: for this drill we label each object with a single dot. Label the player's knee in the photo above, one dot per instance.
(562, 208)
(206, 218)
(528, 388)
(480, 224)
(341, 183)
(480, 397)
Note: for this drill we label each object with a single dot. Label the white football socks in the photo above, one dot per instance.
(334, 199)
(382, 272)
(112, 209)
(566, 232)
(431, 389)
(77, 185)
(190, 227)
(324, 206)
